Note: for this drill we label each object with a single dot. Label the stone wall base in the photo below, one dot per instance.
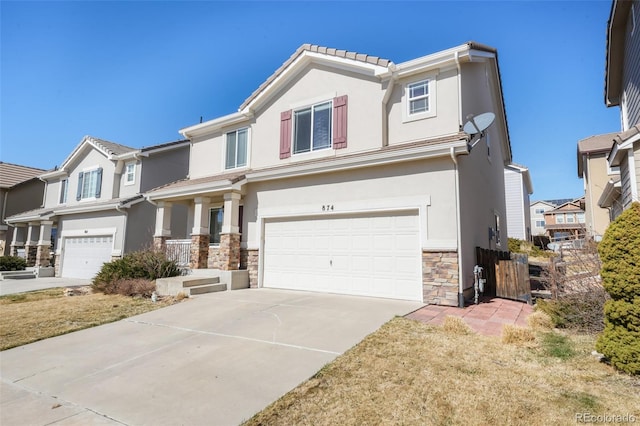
(31, 253)
(440, 277)
(43, 256)
(199, 251)
(249, 261)
(229, 254)
(213, 261)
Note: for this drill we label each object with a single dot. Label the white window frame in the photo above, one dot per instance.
(63, 195)
(560, 219)
(430, 80)
(540, 223)
(85, 172)
(581, 217)
(570, 218)
(131, 173)
(311, 107)
(539, 211)
(226, 149)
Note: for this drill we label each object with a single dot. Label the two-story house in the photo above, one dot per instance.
(93, 208)
(622, 89)
(537, 210)
(518, 188)
(566, 222)
(597, 174)
(347, 173)
(20, 190)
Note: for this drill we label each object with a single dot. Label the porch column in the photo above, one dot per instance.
(229, 255)
(43, 252)
(31, 244)
(200, 233)
(163, 225)
(17, 242)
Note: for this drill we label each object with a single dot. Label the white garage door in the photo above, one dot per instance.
(83, 256)
(374, 255)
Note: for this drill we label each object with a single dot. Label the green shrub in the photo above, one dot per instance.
(12, 263)
(620, 254)
(142, 265)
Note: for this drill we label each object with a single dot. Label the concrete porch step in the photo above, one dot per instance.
(203, 289)
(17, 275)
(188, 285)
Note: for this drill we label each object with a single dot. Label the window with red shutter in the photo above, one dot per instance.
(340, 122)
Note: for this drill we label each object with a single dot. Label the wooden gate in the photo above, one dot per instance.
(512, 278)
(507, 274)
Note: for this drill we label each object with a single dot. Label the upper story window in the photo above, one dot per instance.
(420, 99)
(64, 190)
(539, 211)
(89, 184)
(570, 218)
(130, 174)
(312, 128)
(539, 223)
(237, 143)
(580, 217)
(560, 218)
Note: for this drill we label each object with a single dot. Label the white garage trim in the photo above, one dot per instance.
(369, 254)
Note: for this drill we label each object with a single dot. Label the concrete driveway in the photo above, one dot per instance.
(212, 360)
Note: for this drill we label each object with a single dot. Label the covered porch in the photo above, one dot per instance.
(211, 244)
(34, 238)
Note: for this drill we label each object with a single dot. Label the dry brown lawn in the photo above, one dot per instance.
(409, 373)
(37, 315)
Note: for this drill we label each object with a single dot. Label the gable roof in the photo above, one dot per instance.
(108, 148)
(13, 174)
(524, 172)
(596, 144)
(314, 48)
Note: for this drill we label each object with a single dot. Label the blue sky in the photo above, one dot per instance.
(137, 72)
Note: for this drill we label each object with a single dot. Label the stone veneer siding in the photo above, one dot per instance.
(199, 251)
(160, 244)
(249, 261)
(43, 256)
(56, 265)
(31, 253)
(213, 261)
(440, 277)
(229, 254)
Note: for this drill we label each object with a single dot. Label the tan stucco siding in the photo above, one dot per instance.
(426, 186)
(444, 122)
(90, 161)
(127, 190)
(207, 156)
(597, 218)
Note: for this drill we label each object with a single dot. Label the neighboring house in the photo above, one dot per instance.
(537, 211)
(518, 188)
(347, 173)
(567, 221)
(94, 210)
(596, 172)
(20, 190)
(622, 88)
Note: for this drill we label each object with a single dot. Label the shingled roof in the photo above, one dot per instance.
(12, 174)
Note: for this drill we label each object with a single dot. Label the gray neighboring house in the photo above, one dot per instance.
(20, 190)
(622, 89)
(517, 189)
(93, 208)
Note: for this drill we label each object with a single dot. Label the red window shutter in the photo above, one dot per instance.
(285, 134)
(340, 122)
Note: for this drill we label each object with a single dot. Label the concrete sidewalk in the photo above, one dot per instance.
(213, 360)
(23, 285)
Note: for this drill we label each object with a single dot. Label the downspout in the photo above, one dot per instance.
(126, 221)
(452, 152)
(385, 115)
(457, 188)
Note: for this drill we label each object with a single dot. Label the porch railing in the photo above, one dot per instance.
(179, 251)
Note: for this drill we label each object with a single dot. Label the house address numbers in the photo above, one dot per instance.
(327, 207)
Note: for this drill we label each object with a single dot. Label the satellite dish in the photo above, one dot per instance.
(476, 125)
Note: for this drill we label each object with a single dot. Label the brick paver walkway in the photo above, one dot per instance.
(486, 318)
